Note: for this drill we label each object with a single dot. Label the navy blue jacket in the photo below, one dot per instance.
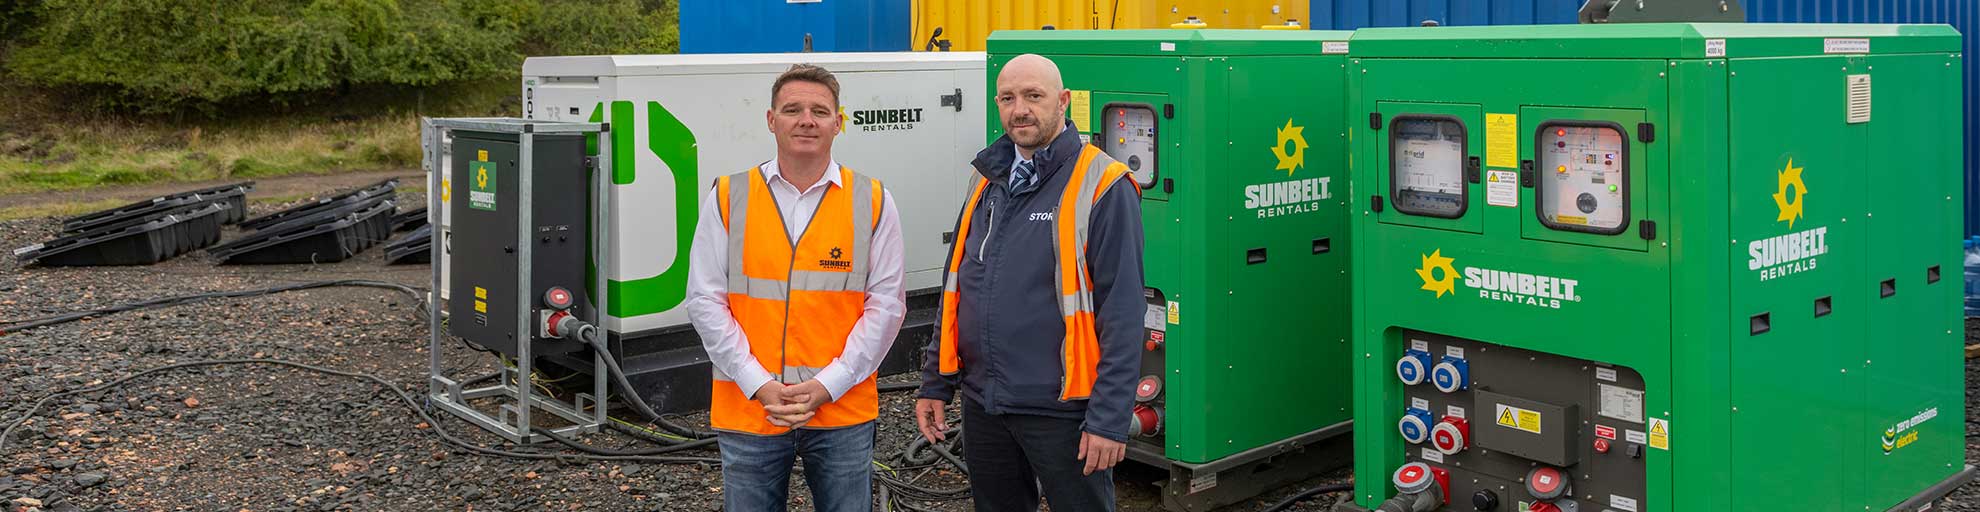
(1011, 331)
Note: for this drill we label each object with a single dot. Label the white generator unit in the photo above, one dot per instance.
(677, 122)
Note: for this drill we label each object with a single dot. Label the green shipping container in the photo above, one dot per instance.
(1238, 139)
(1658, 267)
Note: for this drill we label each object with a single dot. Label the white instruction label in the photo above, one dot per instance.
(1715, 47)
(1454, 412)
(1202, 483)
(1334, 47)
(1433, 455)
(1156, 319)
(1454, 351)
(1608, 374)
(1419, 345)
(1620, 403)
(1636, 437)
(1418, 403)
(1170, 47)
(1621, 503)
(1834, 45)
(1502, 188)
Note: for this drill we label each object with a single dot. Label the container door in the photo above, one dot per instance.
(1582, 180)
(1427, 168)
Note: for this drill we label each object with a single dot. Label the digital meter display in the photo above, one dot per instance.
(1582, 183)
(1128, 135)
(1427, 168)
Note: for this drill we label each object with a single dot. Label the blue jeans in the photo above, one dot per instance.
(838, 465)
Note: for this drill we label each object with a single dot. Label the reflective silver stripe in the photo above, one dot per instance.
(760, 288)
(969, 193)
(862, 209)
(739, 185)
(802, 280)
(823, 281)
(1072, 303)
(1081, 300)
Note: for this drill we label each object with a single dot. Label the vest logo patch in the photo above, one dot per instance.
(836, 263)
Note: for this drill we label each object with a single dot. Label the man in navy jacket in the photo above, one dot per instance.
(1010, 333)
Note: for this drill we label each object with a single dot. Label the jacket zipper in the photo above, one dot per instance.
(987, 233)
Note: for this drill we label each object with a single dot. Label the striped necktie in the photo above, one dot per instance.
(1022, 175)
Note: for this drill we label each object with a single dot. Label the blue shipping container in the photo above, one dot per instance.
(781, 26)
(1961, 14)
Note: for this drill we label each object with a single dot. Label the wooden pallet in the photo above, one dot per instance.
(1973, 351)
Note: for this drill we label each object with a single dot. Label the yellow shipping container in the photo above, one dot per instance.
(966, 24)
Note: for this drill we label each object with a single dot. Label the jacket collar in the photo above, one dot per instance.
(994, 162)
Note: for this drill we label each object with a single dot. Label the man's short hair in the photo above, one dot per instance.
(806, 73)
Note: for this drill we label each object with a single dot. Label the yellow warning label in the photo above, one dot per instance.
(480, 307)
(481, 155)
(1175, 317)
(480, 293)
(446, 190)
(1502, 140)
(1082, 110)
(1660, 434)
(1522, 419)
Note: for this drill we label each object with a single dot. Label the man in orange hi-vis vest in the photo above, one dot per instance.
(794, 284)
(1042, 309)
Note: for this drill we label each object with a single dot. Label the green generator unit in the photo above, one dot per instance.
(1657, 268)
(1237, 139)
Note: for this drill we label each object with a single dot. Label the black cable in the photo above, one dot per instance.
(1316, 491)
(590, 336)
(677, 429)
(601, 451)
(35, 323)
(412, 404)
(640, 433)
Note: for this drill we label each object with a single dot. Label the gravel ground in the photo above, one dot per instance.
(267, 438)
(264, 438)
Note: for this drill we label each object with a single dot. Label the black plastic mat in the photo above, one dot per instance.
(163, 237)
(381, 189)
(322, 237)
(233, 195)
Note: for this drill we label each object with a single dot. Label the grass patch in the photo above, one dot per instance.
(57, 210)
(42, 150)
(92, 156)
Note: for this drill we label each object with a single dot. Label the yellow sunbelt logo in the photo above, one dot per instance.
(1291, 196)
(1797, 251)
(1295, 135)
(1432, 263)
(1902, 435)
(1440, 276)
(1790, 178)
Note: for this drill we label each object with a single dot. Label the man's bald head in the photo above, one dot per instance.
(1033, 68)
(1031, 101)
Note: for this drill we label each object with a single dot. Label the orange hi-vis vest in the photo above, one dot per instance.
(1092, 176)
(796, 302)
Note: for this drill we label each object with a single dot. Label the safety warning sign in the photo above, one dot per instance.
(1660, 433)
(1517, 418)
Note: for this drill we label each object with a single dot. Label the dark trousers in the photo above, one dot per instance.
(1011, 456)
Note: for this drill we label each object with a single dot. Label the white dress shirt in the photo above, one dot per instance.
(723, 338)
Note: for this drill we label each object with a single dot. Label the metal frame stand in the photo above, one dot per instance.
(512, 418)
